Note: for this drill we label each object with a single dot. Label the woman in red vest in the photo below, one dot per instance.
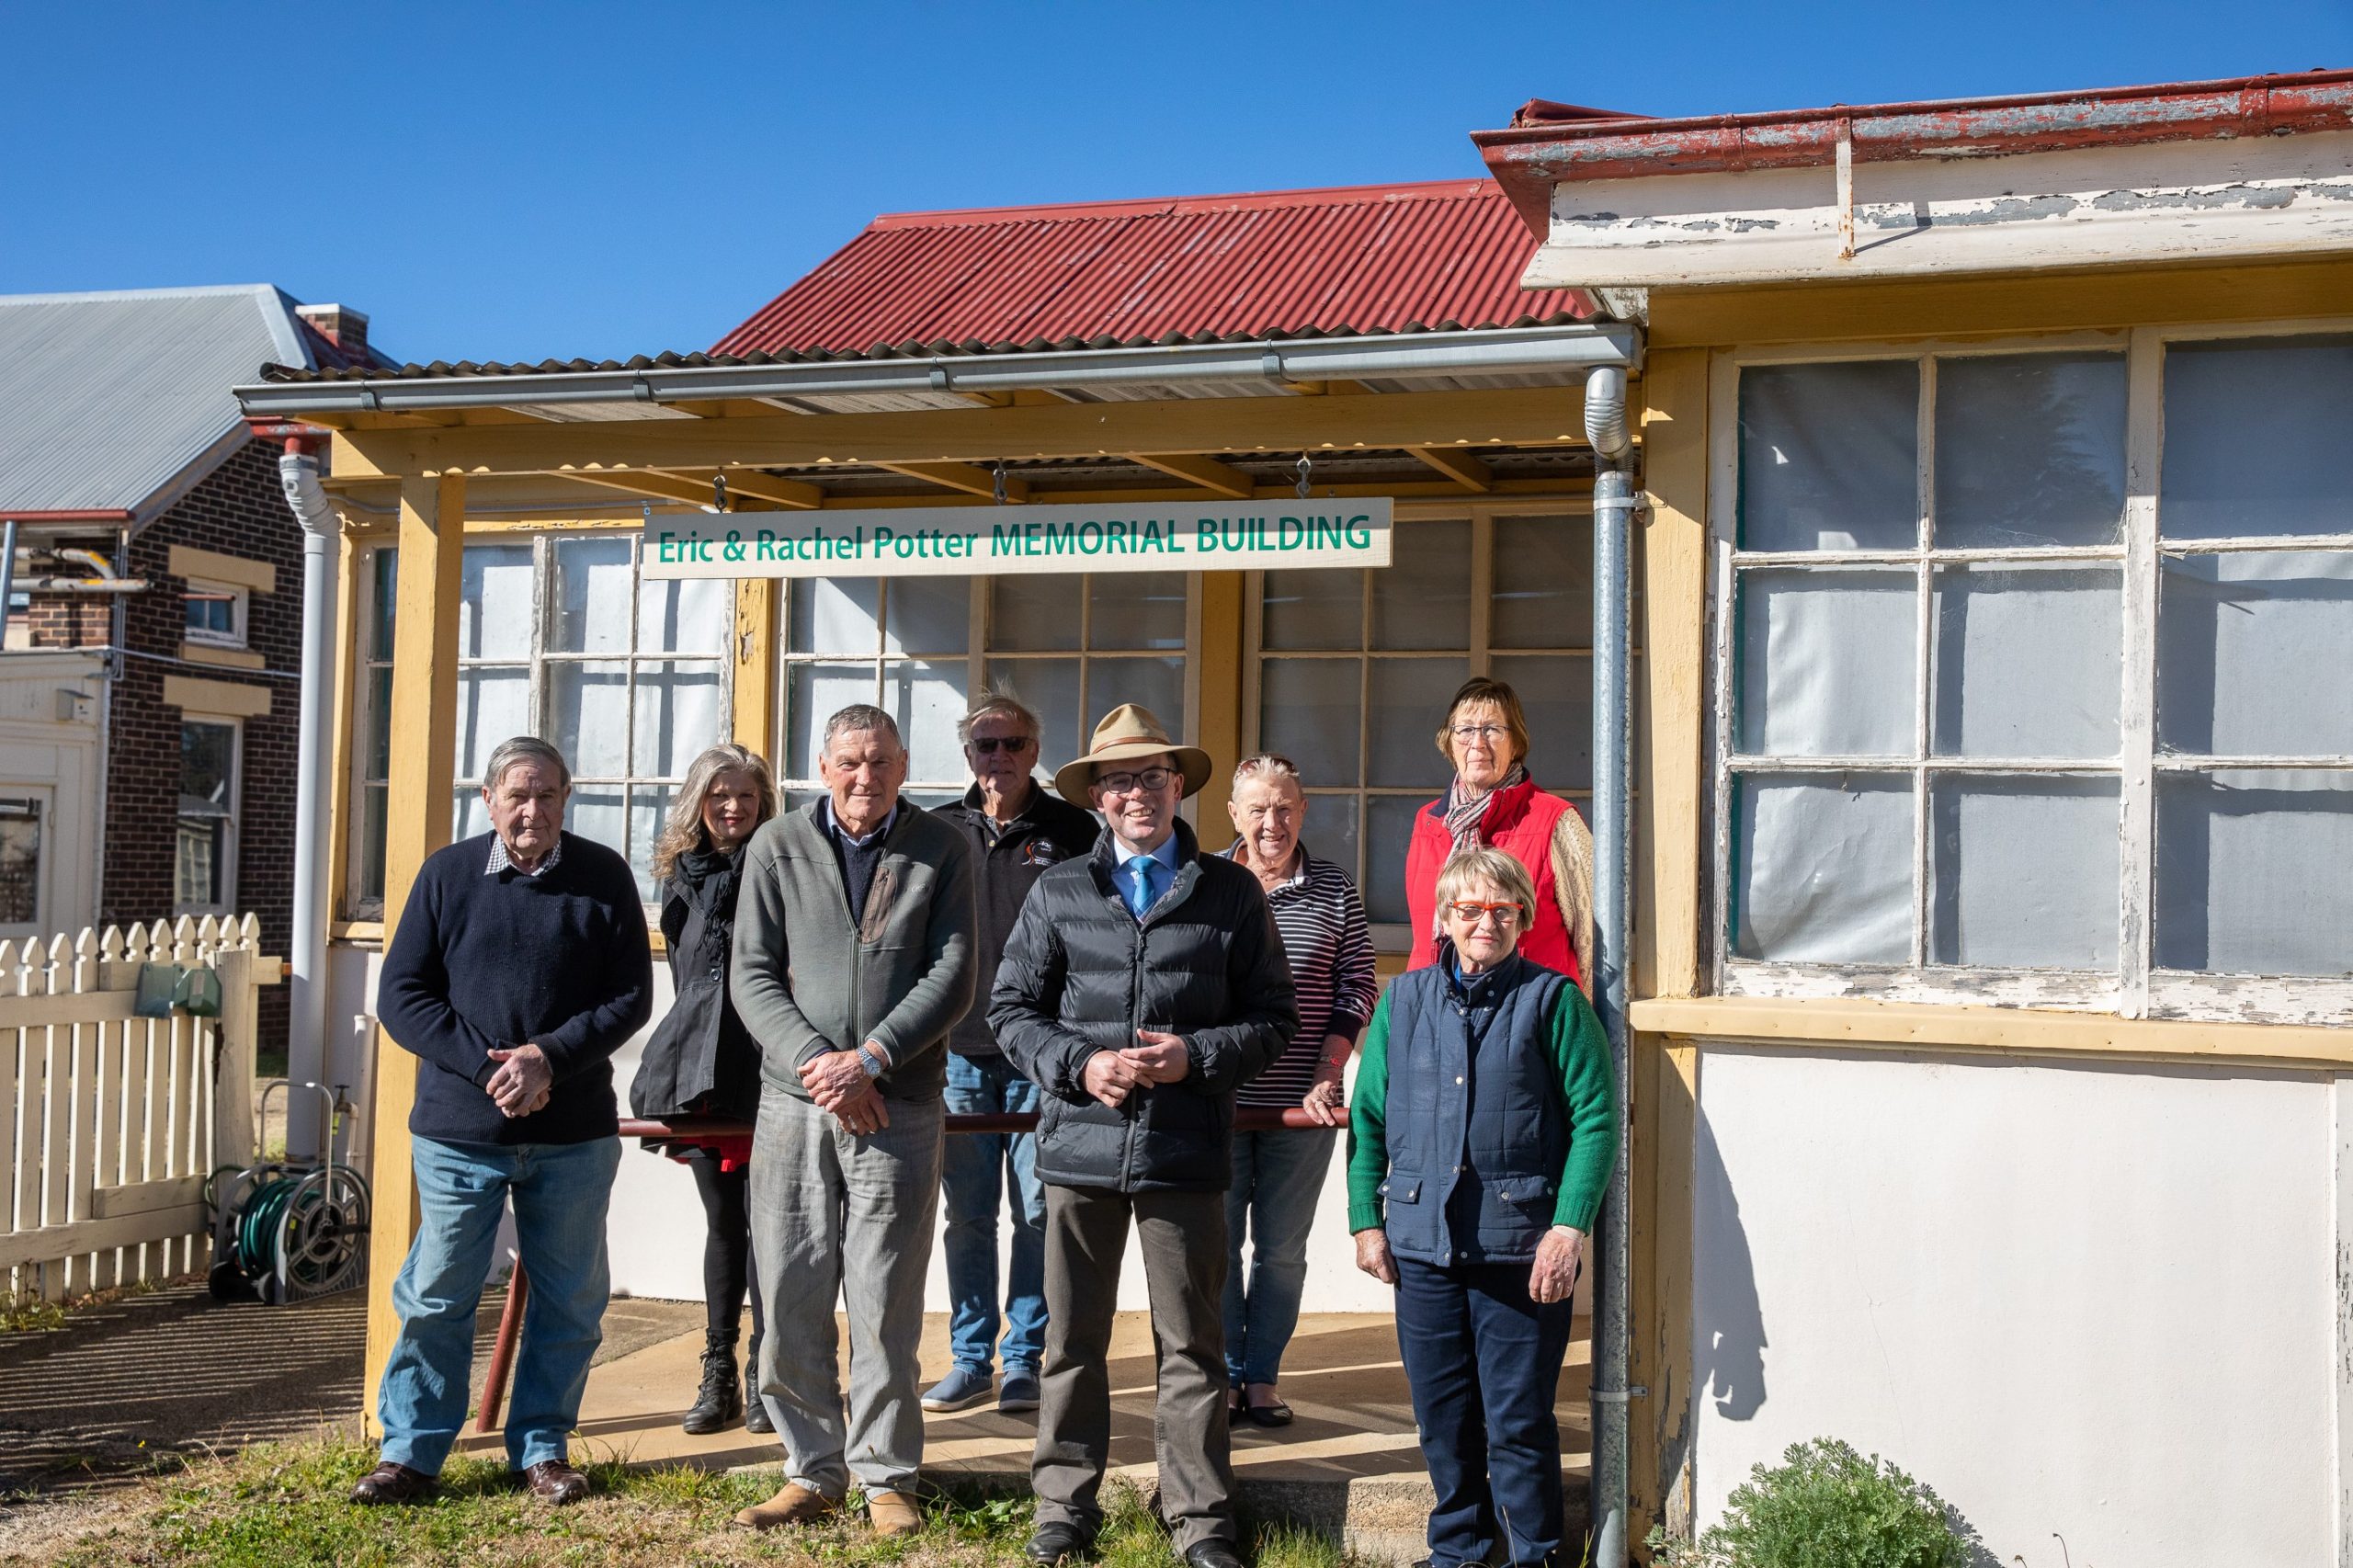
(1493, 801)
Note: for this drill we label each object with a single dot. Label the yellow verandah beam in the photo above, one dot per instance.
(966, 477)
(424, 762)
(1458, 466)
(1207, 473)
(660, 486)
(794, 492)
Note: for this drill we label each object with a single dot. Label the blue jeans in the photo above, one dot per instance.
(977, 1170)
(1277, 1177)
(561, 1192)
(1482, 1358)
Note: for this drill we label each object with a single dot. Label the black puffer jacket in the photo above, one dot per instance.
(702, 1060)
(1081, 975)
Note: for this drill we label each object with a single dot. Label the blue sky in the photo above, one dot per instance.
(497, 181)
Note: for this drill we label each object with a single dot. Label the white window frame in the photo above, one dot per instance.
(2135, 989)
(240, 599)
(233, 843)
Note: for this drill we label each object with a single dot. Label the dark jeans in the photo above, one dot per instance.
(727, 1246)
(1483, 1361)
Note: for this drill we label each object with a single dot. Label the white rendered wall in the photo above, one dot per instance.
(2090, 1302)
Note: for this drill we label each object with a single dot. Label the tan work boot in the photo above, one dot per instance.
(794, 1504)
(892, 1514)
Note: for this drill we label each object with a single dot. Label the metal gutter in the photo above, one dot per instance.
(1508, 350)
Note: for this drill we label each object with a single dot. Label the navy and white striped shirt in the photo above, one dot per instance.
(1329, 944)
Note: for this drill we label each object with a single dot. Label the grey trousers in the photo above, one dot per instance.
(839, 1217)
(1183, 1240)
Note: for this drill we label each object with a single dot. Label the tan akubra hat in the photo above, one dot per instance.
(1129, 733)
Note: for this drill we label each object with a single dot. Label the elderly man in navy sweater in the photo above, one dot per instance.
(520, 964)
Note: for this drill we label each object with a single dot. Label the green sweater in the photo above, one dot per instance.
(1580, 1052)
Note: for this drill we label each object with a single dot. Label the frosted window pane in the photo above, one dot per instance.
(648, 804)
(597, 814)
(591, 728)
(1826, 663)
(834, 615)
(2253, 652)
(2030, 451)
(1157, 683)
(1329, 831)
(814, 693)
(383, 600)
(1406, 700)
(1307, 710)
(1423, 598)
(2028, 661)
(493, 705)
(494, 602)
(1543, 584)
(2254, 873)
(677, 718)
(927, 698)
(1048, 687)
(1312, 609)
(2255, 438)
(592, 584)
(690, 615)
(1829, 456)
(927, 615)
(1556, 691)
(1136, 609)
(1389, 828)
(2025, 872)
(469, 816)
(1823, 869)
(1033, 612)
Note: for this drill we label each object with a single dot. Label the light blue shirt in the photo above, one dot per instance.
(860, 841)
(1134, 868)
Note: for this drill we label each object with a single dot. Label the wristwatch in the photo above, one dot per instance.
(869, 1064)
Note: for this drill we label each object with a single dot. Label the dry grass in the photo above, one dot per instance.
(22, 1312)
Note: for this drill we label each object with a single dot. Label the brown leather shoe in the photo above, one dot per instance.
(793, 1504)
(555, 1482)
(391, 1482)
(892, 1514)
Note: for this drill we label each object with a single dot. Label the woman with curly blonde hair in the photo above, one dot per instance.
(702, 1060)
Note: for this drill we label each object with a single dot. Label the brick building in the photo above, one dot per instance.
(148, 685)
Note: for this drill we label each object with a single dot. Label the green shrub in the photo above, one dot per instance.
(1828, 1506)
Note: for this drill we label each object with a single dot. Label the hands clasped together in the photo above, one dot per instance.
(523, 1082)
(1113, 1075)
(837, 1082)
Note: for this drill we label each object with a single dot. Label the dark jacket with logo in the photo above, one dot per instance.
(702, 1060)
(1081, 974)
(1005, 866)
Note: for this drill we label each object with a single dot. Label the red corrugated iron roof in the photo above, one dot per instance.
(1270, 264)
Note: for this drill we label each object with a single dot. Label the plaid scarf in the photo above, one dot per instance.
(1464, 811)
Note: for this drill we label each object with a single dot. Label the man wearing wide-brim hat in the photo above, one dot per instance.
(1140, 987)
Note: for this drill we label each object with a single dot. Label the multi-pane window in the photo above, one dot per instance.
(215, 613)
(371, 779)
(205, 863)
(1354, 669)
(2031, 662)
(1070, 647)
(20, 862)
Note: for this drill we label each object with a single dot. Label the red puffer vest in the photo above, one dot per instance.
(1519, 822)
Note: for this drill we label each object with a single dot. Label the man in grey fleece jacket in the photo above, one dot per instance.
(853, 959)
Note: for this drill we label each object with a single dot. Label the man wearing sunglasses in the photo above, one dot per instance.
(1141, 986)
(1017, 829)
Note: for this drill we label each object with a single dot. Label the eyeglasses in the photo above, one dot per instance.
(1491, 733)
(989, 745)
(1128, 783)
(1480, 913)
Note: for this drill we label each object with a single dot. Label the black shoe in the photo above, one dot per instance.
(720, 1399)
(1060, 1543)
(756, 1409)
(1213, 1555)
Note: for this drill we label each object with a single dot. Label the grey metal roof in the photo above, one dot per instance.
(119, 402)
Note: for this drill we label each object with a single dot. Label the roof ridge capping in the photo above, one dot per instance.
(1170, 206)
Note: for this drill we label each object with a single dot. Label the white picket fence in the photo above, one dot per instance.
(110, 1123)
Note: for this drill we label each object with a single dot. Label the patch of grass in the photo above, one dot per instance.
(23, 1312)
(283, 1505)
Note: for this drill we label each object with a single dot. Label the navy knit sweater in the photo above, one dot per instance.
(478, 961)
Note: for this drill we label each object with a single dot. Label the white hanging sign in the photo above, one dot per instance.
(1226, 536)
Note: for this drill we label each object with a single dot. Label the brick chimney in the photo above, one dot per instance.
(339, 324)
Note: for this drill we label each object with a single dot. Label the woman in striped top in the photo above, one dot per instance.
(1278, 1175)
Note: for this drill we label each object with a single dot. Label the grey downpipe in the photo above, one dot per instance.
(322, 540)
(1613, 513)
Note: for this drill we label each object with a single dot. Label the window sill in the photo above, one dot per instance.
(2005, 1031)
(228, 655)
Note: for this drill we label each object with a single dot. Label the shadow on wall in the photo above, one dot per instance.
(1731, 1353)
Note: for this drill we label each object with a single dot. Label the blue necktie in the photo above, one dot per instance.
(1145, 894)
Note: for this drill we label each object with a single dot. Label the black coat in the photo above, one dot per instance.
(1082, 975)
(702, 1060)
(1006, 864)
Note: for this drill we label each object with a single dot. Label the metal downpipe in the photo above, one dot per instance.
(322, 539)
(1613, 510)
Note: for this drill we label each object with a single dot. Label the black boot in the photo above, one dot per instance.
(756, 1409)
(719, 1399)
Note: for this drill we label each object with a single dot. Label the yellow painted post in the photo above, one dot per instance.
(1218, 729)
(1670, 874)
(756, 603)
(424, 762)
